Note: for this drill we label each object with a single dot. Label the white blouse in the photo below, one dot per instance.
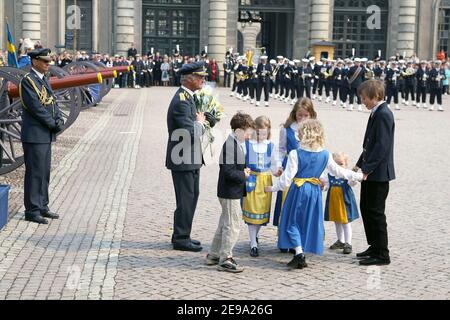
(261, 147)
(289, 174)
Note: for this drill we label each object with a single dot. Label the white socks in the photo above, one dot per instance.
(340, 232)
(298, 250)
(253, 231)
(344, 232)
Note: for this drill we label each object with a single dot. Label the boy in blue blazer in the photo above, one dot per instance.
(377, 165)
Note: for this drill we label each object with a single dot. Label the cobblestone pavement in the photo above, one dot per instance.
(116, 200)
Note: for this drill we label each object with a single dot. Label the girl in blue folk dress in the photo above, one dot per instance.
(301, 224)
(289, 140)
(340, 205)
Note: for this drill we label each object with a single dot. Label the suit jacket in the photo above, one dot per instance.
(38, 121)
(184, 151)
(232, 178)
(377, 159)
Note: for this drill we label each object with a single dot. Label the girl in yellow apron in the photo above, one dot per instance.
(261, 159)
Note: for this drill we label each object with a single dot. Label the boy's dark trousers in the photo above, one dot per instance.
(373, 204)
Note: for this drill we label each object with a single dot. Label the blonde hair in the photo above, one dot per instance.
(341, 156)
(312, 134)
(263, 122)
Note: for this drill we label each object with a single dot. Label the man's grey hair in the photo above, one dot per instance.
(186, 78)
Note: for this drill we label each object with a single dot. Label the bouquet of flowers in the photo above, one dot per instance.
(214, 112)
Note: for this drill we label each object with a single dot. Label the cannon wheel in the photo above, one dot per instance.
(90, 95)
(68, 99)
(11, 152)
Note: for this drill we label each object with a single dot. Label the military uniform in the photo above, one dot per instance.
(437, 76)
(422, 75)
(41, 121)
(305, 77)
(184, 158)
(264, 71)
(355, 79)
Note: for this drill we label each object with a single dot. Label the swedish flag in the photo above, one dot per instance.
(12, 57)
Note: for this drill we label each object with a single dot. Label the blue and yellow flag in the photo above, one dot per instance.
(12, 56)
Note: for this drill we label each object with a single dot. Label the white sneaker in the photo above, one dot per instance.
(425, 106)
(271, 95)
(431, 108)
(418, 105)
(245, 98)
(350, 108)
(344, 106)
(232, 94)
(360, 109)
(314, 97)
(334, 103)
(440, 108)
(258, 103)
(292, 102)
(320, 99)
(404, 101)
(397, 107)
(266, 104)
(328, 100)
(252, 101)
(407, 103)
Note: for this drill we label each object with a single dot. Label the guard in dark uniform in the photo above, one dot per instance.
(41, 121)
(436, 79)
(264, 72)
(355, 77)
(422, 76)
(305, 78)
(184, 153)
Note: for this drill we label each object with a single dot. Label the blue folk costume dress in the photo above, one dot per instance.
(301, 224)
(292, 143)
(257, 204)
(340, 206)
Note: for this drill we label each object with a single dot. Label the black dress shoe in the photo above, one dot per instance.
(36, 219)
(254, 252)
(299, 262)
(50, 215)
(187, 247)
(196, 242)
(374, 262)
(365, 254)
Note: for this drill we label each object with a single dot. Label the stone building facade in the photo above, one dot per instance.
(287, 27)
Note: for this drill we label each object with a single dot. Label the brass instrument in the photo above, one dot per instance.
(249, 56)
(409, 72)
(370, 74)
(241, 76)
(275, 72)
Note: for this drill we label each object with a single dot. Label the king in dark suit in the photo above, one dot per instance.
(184, 154)
(377, 165)
(41, 121)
